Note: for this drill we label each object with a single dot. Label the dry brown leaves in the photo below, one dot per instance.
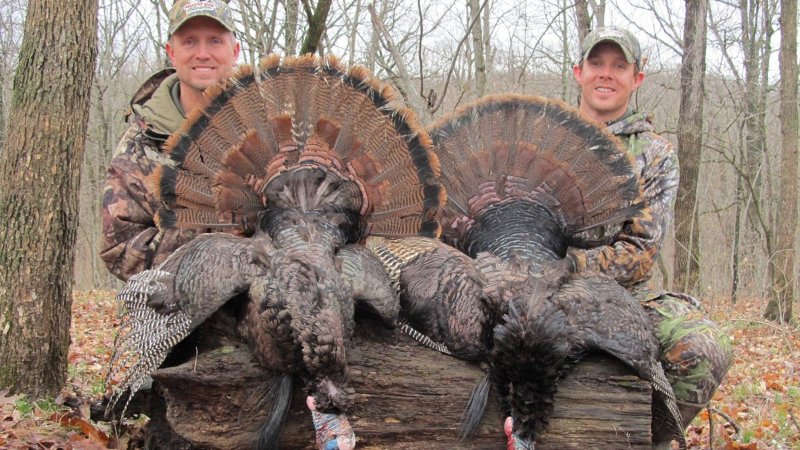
(758, 404)
(757, 407)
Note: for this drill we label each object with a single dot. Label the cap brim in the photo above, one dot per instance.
(182, 22)
(628, 54)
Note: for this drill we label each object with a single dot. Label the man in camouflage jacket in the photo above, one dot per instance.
(203, 50)
(696, 354)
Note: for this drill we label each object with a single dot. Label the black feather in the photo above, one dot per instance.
(279, 397)
(473, 413)
(532, 349)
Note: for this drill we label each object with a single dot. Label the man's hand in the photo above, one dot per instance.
(143, 246)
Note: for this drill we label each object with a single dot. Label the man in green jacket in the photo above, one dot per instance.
(203, 50)
(696, 354)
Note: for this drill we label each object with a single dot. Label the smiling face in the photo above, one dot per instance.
(203, 52)
(607, 81)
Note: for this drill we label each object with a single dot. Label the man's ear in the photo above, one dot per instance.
(638, 79)
(170, 52)
(577, 72)
(236, 49)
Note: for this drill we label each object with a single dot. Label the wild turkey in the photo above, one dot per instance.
(523, 175)
(298, 160)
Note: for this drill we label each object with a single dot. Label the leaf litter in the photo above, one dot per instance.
(757, 407)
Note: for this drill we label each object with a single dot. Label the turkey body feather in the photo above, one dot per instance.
(523, 174)
(299, 160)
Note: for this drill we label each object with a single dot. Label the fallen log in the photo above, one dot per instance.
(407, 397)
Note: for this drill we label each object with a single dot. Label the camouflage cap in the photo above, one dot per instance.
(624, 38)
(184, 10)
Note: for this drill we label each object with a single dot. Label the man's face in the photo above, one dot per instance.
(607, 81)
(203, 52)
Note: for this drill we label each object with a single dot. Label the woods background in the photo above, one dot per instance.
(443, 54)
(722, 85)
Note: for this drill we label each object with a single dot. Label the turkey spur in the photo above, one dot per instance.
(292, 164)
(523, 175)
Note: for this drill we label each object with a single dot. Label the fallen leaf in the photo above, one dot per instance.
(87, 428)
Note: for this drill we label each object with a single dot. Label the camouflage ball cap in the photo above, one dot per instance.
(624, 38)
(184, 10)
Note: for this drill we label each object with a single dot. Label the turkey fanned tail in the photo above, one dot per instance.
(523, 175)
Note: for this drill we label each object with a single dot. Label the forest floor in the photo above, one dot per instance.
(757, 407)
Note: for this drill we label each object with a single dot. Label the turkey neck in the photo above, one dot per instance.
(305, 235)
(520, 228)
(308, 286)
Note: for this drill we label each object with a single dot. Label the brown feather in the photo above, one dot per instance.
(307, 112)
(513, 146)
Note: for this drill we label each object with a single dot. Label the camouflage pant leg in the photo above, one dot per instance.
(695, 353)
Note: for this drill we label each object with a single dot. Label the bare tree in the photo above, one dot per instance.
(290, 27)
(407, 87)
(747, 26)
(257, 34)
(755, 42)
(585, 11)
(40, 170)
(779, 307)
(478, 46)
(686, 271)
(10, 30)
(353, 26)
(316, 25)
(583, 18)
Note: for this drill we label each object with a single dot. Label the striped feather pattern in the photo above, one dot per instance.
(145, 336)
(441, 294)
(236, 156)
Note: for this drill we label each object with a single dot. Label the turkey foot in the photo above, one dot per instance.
(333, 430)
(515, 442)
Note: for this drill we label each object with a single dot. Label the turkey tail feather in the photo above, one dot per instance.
(476, 406)
(301, 115)
(279, 397)
(506, 147)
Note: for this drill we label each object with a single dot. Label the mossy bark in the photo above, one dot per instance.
(39, 181)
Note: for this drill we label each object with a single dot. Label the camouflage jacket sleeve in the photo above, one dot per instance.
(630, 253)
(131, 242)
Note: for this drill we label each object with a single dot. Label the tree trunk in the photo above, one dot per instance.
(737, 237)
(316, 27)
(599, 9)
(755, 134)
(39, 182)
(583, 18)
(566, 53)
(2, 108)
(771, 199)
(290, 27)
(478, 47)
(690, 144)
(779, 307)
(353, 34)
(406, 397)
